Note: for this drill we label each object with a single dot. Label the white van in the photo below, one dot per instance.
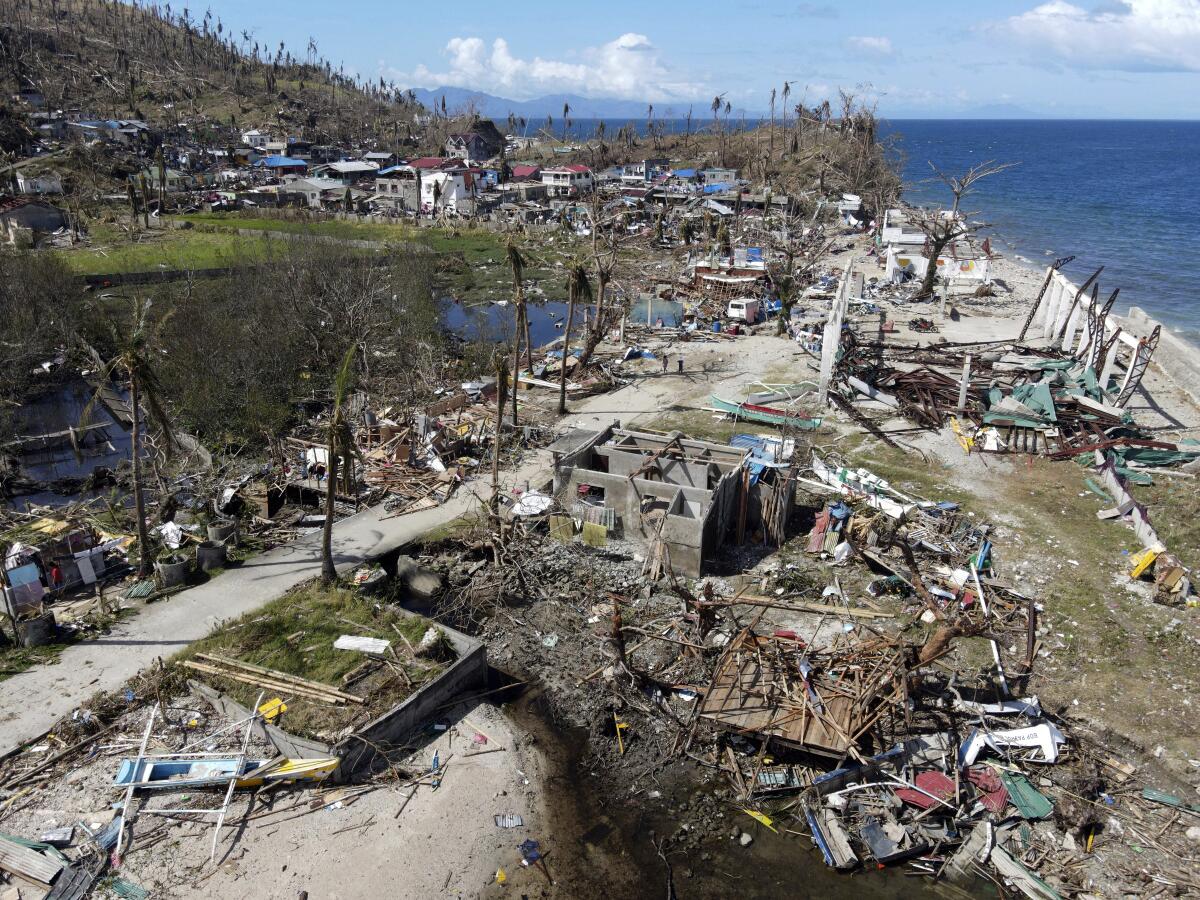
(745, 308)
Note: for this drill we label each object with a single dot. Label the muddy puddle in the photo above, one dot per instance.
(603, 843)
(55, 472)
(483, 321)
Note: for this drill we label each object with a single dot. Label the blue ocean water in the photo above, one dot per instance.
(1122, 194)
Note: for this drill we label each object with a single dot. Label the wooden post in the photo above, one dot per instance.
(743, 502)
(1030, 635)
(964, 384)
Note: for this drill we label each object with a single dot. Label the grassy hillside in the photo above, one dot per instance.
(125, 61)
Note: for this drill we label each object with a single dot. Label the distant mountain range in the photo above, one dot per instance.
(551, 105)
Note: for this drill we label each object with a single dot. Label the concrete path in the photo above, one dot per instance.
(34, 700)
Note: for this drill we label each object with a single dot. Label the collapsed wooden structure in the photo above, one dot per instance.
(819, 700)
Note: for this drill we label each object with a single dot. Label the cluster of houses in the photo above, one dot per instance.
(476, 175)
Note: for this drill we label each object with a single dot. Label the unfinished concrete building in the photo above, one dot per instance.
(684, 497)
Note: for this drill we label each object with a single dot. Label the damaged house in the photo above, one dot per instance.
(686, 498)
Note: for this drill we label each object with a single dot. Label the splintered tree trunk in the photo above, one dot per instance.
(562, 373)
(600, 323)
(516, 374)
(328, 572)
(936, 248)
(139, 500)
(501, 377)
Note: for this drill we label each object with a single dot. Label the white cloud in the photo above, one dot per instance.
(880, 46)
(629, 67)
(1126, 35)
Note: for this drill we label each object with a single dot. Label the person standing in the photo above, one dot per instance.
(680, 363)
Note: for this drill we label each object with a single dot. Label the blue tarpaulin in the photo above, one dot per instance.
(273, 162)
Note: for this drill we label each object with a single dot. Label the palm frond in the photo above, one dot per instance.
(344, 382)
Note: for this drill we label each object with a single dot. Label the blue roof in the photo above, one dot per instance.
(275, 162)
(716, 188)
(685, 173)
(391, 169)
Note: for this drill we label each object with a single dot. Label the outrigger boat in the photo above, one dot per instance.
(769, 415)
(200, 772)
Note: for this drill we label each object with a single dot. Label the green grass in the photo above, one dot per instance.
(475, 244)
(111, 251)
(906, 472)
(480, 275)
(295, 634)
(700, 424)
(363, 231)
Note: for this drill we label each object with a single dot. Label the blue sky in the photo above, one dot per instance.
(1085, 58)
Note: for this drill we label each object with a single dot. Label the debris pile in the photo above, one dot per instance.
(861, 715)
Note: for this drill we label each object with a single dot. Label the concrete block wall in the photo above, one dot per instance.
(358, 751)
(468, 672)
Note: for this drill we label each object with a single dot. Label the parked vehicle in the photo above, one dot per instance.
(745, 309)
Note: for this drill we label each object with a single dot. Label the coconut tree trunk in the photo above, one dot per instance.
(516, 375)
(328, 572)
(936, 246)
(562, 373)
(600, 326)
(139, 500)
(501, 377)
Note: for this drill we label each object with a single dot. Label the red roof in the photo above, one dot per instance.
(427, 162)
(577, 167)
(525, 171)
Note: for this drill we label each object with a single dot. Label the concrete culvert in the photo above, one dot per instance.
(172, 571)
(224, 532)
(38, 631)
(210, 555)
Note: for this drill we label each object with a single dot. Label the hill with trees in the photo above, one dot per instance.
(125, 60)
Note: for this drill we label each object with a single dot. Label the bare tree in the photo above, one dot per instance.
(578, 289)
(137, 345)
(941, 229)
(339, 441)
(962, 185)
(516, 263)
(606, 244)
(771, 146)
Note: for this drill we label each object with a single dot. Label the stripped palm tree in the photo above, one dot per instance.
(787, 299)
(579, 288)
(134, 361)
(338, 441)
(516, 263)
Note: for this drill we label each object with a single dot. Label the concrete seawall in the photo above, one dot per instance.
(1175, 358)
